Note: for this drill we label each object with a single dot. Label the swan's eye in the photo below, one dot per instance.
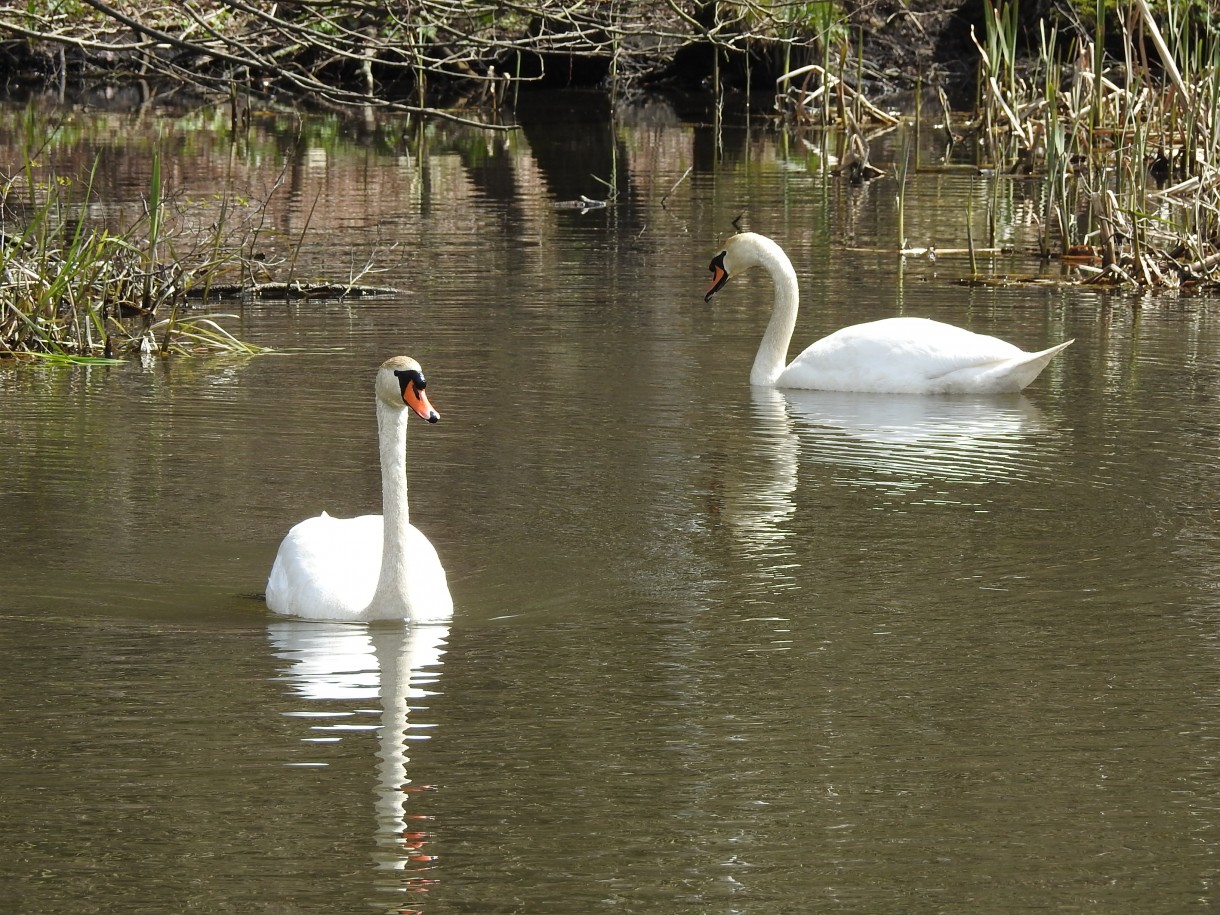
(717, 262)
(410, 377)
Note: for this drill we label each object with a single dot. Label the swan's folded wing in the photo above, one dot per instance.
(326, 568)
(1004, 376)
(911, 355)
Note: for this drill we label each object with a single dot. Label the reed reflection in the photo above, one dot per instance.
(397, 666)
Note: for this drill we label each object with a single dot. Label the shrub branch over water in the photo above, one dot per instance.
(400, 54)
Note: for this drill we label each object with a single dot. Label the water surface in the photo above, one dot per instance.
(715, 649)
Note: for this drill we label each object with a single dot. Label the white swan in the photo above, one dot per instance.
(891, 356)
(370, 567)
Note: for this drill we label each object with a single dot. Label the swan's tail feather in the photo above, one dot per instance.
(1018, 374)
(1058, 347)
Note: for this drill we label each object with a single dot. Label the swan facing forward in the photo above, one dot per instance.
(371, 567)
(891, 356)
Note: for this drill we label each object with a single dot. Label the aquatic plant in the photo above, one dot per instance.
(1128, 148)
(71, 291)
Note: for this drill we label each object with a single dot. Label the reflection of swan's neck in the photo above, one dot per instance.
(758, 509)
(773, 351)
(392, 652)
(392, 581)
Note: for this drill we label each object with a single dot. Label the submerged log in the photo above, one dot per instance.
(287, 291)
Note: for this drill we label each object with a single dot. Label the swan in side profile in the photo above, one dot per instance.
(371, 567)
(891, 356)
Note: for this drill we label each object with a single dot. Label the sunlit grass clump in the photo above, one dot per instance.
(71, 291)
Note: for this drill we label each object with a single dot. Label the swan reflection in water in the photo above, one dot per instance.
(912, 439)
(886, 440)
(972, 439)
(758, 495)
(755, 501)
(386, 663)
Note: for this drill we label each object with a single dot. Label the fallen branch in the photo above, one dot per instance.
(288, 291)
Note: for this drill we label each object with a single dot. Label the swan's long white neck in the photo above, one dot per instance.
(392, 435)
(772, 355)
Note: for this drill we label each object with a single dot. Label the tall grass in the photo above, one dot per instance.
(71, 291)
(1128, 148)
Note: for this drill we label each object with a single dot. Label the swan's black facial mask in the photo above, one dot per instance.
(720, 275)
(409, 376)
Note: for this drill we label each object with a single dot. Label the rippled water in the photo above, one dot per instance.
(715, 649)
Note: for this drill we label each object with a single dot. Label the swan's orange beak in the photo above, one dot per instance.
(417, 400)
(720, 276)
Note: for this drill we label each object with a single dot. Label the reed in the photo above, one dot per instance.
(901, 172)
(1129, 148)
(821, 91)
(75, 292)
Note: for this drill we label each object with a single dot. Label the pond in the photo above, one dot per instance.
(714, 649)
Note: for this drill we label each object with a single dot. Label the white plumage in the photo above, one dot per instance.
(891, 356)
(372, 566)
